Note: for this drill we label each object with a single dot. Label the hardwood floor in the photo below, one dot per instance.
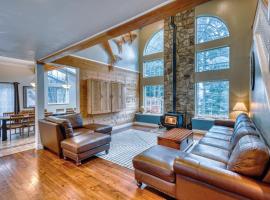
(42, 175)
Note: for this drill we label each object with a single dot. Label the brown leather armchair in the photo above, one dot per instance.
(84, 141)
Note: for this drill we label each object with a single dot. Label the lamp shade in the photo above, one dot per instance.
(240, 107)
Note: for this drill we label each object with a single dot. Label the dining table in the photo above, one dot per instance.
(4, 121)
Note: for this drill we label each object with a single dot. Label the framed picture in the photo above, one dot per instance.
(29, 97)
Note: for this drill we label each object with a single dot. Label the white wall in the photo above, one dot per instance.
(13, 70)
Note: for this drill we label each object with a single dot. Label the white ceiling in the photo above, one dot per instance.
(32, 29)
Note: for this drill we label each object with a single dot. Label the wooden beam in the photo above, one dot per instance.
(146, 19)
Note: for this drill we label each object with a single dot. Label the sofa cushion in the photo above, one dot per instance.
(85, 142)
(222, 130)
(79, 131)
(101, 128)
(211, 152)
(204, 161)
(249, 157)
(65, 125)
(241, 132)
(241, 117)
(218, 136)
(157, 161)
(222, 144)
(244, 124)
(75, 120)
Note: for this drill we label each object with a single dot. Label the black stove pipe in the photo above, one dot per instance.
(174, 28)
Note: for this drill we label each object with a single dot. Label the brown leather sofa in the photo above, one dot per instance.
(67, 136)
(227, 163)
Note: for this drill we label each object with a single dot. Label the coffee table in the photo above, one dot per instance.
(177, 138)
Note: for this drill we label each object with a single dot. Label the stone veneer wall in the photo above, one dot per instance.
(185, 22)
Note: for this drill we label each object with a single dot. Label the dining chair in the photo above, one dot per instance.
(16, 122)
(59, 110)
(70, 111)
(47, 114)
(30, 123)
(7, 114)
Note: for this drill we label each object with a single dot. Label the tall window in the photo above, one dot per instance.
(212, 97)
(153, 71)
(60, 83)
(7, 98)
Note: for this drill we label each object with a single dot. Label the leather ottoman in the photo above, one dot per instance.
(85, 145)
(154, 167)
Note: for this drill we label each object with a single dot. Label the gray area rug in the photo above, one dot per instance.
(127, 144)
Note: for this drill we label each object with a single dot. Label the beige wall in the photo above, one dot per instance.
(239, 16)
(145, 34)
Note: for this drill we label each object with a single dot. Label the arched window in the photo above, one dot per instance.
(153, 69)
(211, 28)
(212, 97)
(155, 44)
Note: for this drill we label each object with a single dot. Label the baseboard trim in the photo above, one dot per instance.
(115, 128)
(200, 132)
(146, 124)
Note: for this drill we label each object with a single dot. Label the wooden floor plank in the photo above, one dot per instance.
(42, 175)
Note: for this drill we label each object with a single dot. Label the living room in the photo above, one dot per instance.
(150, 100)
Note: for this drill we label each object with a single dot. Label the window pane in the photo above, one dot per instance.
(7, 98)
(210, 28)
(214, 59)
(62, 86)
(155, 44)
(58, 95)
(153, 68)
(212, 99)
(153, 99)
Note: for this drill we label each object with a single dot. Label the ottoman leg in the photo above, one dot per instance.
(107, 151)
(78, 162)
(139, 184)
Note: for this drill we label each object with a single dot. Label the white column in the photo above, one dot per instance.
(40, 102)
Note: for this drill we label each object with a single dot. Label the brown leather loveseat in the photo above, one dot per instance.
(67, 136)
(227, 163)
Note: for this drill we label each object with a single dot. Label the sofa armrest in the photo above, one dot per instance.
(51, 136)
(222, 178)
(227, 123)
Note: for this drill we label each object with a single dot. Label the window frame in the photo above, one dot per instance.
(144, 99)
(151, 60)
(149, 40)
(212, 16)
(209, 49)
(196, 100)
(67, 95)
